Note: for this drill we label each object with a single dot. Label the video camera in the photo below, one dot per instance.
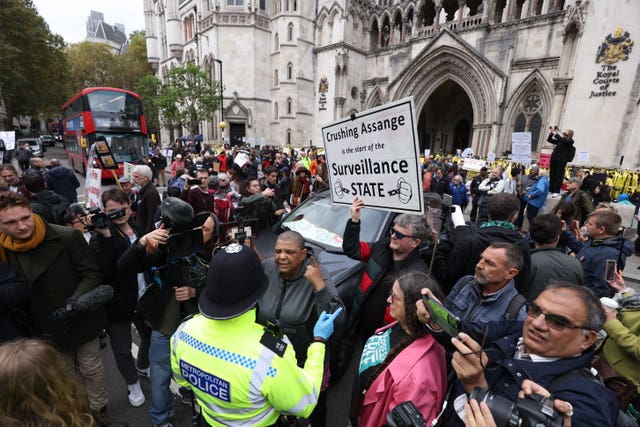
(101, 219)
(533, 410)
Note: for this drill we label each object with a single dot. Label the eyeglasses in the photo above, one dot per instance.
(554, 321)
(394, 297)
(398, 235)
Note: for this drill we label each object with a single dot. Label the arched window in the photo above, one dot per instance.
(289, 106)
(275, 77)
(276, 42)
(290, 32)
(529, 117)
(521, 123)
(288, 136)
(275, 111)
(289, 71)
(295, 5)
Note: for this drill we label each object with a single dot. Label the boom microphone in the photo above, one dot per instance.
(85, 302)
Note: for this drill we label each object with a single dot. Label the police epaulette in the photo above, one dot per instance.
(273, 343)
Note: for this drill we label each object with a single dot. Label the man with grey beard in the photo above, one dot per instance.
(490, 294)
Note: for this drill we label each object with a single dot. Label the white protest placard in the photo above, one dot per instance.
(467, 152)
(241, 158)
(583, 156)
(491, 157)
(9, 138)
(473, 164)
(375, 156)
(427, 152)
(93, 187)
(127, 170)
(521, 147)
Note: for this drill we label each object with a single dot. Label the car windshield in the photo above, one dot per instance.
(321, 222)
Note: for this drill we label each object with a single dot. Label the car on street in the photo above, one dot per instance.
(35, 144)
(47, 140)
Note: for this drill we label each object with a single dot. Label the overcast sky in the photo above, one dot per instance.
(69, 17)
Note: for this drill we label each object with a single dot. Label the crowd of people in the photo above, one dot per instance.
(260, 339)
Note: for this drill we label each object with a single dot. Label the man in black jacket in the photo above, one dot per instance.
(468, 243)
(562, 154)
(476, 193)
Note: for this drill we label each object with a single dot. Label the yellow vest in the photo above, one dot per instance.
(239, 381)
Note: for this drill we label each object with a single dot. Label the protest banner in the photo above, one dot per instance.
(544, 160)
(9, 138)
(93, 187)
(473, 164)
(521, 147)
(375, 155)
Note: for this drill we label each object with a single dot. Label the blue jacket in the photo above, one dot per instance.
(593, 403)
(459, 194)
(593, 256)
(465, 301)
(537, 194)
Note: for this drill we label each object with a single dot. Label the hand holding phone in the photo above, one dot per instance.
(610, 269)
(449, 322)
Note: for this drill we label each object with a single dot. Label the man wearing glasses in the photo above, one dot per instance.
(556, 338)
(385, 260)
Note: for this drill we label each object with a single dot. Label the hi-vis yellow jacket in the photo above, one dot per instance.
(237, 380)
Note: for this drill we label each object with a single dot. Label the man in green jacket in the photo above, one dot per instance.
(57, 264)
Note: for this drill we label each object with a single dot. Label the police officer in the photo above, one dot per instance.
(241, 372)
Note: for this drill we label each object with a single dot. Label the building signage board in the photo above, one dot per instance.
(375, 155)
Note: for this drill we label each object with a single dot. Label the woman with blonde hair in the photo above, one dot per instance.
(39, 388)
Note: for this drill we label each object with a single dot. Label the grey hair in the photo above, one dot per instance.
(143, 170)
(416, 223)
(292, 236)
(595, 313)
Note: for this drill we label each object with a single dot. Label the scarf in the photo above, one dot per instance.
(8, 243)
(631, 302)
(503, 224)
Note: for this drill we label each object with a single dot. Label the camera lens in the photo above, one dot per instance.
(504, 411)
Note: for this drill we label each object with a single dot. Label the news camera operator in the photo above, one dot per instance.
(256, 204)
(113, 232)
(169, 257)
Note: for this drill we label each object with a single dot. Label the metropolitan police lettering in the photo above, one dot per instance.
(206, 382)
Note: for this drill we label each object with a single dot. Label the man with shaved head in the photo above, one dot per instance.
(299, 290)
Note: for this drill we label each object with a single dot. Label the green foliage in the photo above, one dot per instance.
(90, 64)
(188, 97)
(148, 87)
(33, 68)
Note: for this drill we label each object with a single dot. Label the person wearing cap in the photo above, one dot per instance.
(166, 300)
(578, 198)
(243, 373)
(562, 154)
(176, 164)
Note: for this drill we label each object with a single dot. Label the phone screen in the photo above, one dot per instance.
(443, 317)
(610, 269)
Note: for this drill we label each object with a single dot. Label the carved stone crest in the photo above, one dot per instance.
(615, 47)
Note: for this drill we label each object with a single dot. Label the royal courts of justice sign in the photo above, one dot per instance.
(375, 155)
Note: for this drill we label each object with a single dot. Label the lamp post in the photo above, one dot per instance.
(222, 124)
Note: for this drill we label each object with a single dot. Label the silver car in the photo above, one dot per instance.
(35, 144)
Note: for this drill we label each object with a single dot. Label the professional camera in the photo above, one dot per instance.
(101, 219)
(533, 410)
(405, 415)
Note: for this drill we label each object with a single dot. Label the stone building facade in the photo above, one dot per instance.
(478, 70)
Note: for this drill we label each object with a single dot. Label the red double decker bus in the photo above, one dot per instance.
(103, 112)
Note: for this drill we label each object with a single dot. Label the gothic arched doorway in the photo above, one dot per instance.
(445, 122)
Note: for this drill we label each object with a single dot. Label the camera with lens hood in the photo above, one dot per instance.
(533, 410)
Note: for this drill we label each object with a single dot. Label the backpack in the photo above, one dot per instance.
(59, 209)
(571, 153)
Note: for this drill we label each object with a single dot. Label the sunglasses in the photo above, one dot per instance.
(554, 321)
(398, 235)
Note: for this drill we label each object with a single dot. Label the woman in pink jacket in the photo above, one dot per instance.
(402, 361)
